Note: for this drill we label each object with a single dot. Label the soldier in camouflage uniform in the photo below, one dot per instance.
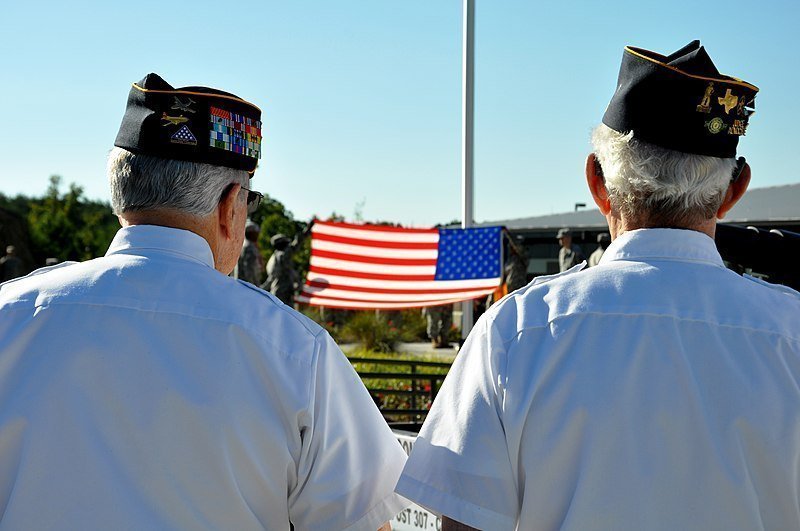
(10, 265)
(282, 278)
(570, 254)
(603, 241)
(250, 263)
(440, 320)
(516, 270)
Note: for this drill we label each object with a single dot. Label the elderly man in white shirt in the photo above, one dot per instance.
(147, 390)
(657, 390)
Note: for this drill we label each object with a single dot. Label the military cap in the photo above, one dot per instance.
(197, 124)
(563, 232)
(680, 102)
(251, 226)
(278, 238)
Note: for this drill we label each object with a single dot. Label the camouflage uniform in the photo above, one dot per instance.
(250, 263)
(595, 257)
(440, 320)
(603, 240)
(516, 269)
(282, 279)
(10, 265)
(568, 258)
(569, 255)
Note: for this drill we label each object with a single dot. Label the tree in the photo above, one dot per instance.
(68, 226)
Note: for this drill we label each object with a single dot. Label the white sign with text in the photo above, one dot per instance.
(414, 517)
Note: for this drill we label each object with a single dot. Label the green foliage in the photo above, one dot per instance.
(18, 206)
(413, 325)
(353, 325)
(274, 218)
(68, 226)
(372, 330)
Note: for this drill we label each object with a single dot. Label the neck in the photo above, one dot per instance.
(617, 225)
(202, 226)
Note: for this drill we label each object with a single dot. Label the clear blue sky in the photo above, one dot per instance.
(361, 98)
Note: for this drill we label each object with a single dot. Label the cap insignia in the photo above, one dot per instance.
(705, 104)
(174, 120)
(715, 125)
(183, 136)
(740, 107)
(180, 105)
(738, 127)
(729, 101)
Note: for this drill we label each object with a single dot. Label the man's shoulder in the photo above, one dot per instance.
(33, 280)
(774, 289)
(770, 305)
(529, 306)
(192, 290)
(266, 303)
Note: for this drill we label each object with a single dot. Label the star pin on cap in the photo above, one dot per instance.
(680, 102)
(197, 124)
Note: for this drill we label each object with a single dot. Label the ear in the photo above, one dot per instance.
(597, 185)
(227, 210)
(735, 191)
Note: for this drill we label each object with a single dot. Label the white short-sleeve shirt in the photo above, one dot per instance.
(145, 390)
(658, 390)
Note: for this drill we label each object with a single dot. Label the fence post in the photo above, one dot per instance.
(414, 391)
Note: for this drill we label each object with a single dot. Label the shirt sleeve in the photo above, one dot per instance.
(350, 460)
(460, 465)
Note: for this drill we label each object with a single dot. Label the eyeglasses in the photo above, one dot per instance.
(253, 200)
(737, 171)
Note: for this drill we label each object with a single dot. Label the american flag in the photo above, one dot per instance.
(376, 266)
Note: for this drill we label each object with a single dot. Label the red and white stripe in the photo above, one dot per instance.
(375, 266)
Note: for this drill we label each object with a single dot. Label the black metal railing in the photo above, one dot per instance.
(402, 389)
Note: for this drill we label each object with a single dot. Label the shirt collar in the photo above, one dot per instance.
(136, 238)
(663, 244)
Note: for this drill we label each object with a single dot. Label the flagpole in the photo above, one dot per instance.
(468, 94)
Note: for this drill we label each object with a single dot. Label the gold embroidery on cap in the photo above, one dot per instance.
(729, 101)
(174, 120)
(740, 107)
(715, 125)
(738, 127)
(705, 104)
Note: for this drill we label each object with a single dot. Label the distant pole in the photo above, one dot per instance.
(468, 102)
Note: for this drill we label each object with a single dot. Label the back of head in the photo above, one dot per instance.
(179, 149)
(144, 182)
(667, 144)
(656, 187)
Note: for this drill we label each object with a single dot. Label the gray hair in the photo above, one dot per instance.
(144, 182)
(657, 187)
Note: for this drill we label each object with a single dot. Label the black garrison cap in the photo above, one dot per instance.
(197, 124)
(680, 102)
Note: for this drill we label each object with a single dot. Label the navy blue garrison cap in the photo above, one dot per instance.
(198, 124)
(680, 102)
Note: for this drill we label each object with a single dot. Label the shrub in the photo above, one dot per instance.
(413, 326)
(372, 330)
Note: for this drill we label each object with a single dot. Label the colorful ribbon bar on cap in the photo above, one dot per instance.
(235, 132)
